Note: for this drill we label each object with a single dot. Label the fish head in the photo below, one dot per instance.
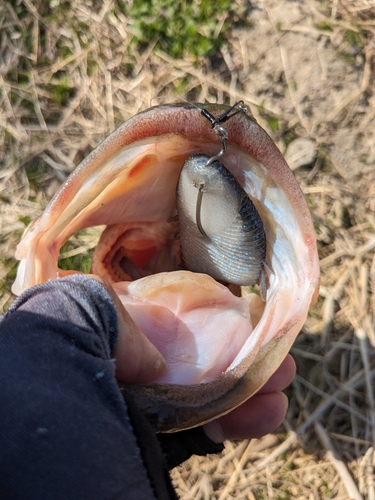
(220, 348)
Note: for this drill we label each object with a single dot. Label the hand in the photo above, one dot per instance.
(137, 360)
(259, 415)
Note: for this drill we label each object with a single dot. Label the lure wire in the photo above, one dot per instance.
(216, 124)
(226, 115)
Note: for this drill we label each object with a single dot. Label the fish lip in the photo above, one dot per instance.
(185, 120)
(174, 408)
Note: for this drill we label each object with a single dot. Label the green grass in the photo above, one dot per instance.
(61, 91)
(74, 255)
(323, 26)
(80, 262)
(10, 265)
(353, 38)
(273, 123)
(196, 28)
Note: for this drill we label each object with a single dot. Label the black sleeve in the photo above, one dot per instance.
(65, 430)
(180, 446)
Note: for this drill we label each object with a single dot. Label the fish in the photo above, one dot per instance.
(220, 348)
(221, 233)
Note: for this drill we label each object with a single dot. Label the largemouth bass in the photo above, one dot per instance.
(220, 348)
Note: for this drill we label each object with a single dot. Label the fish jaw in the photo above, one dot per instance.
(196, 323)
(173, 407)
(190, 314)
(92, 195)
(130, 181)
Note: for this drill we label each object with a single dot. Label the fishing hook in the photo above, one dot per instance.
(198, 210)
(216, 125)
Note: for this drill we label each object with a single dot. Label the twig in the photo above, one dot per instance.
(357, 92)
(336, 401)
(288, 74)
(338, 464)
(362, 339)
(354, 382)
(236, 473)
(216, 83)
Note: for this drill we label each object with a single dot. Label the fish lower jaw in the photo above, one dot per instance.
(196, 323)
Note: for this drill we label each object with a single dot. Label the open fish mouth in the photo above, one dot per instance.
(220, 348)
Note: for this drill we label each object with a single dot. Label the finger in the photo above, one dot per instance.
(258, 416)
(282, 377)
(137, 360)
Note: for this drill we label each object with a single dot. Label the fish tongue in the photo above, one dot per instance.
(196, 323)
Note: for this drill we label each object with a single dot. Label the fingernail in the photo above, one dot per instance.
(285, 397)
(154, 363)
(214, 431)
(160, 363)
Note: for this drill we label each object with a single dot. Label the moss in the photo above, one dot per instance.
(346, 218)
(324, 160)
(27, 38)
(65, 52)
(17, 76)
(259, 494)
(80, 261)
(35, 173)
(92, 65)
(10, 265)
(289, 137)
(310, 203)
(284, 495)
(325, 490)
(19, 8)
(28, 104)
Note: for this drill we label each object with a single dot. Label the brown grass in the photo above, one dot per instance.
(307, 70)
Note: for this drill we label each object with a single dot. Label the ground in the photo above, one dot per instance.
(307, 69)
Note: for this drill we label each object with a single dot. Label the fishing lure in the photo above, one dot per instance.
(221, 232)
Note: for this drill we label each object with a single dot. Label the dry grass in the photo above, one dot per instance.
(307, 69)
